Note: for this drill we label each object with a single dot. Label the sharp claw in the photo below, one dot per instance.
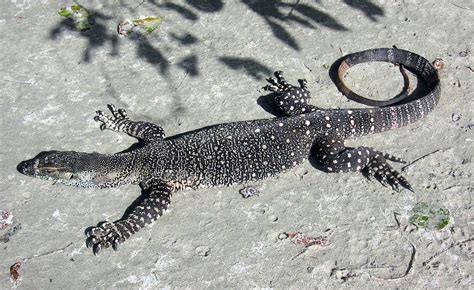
(303, 83)
(89, 243)
(97, 248)
(270, 88)
(273, 82)
(408, 186)
(115, 244)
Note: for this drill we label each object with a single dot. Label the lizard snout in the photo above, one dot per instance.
(26, 167)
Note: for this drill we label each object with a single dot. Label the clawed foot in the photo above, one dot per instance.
(111, 122)
(280, 85)
(379, 169)
(106, 234)
(292, 100)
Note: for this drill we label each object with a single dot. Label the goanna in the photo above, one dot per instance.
(239, 152)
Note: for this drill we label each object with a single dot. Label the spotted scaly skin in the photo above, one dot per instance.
(238, 152)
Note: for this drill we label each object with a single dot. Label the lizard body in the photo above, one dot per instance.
(239, 152)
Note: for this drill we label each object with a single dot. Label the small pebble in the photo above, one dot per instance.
(455, 117)
(342, 275)
(248, 191)
(282, 236)
(301, 172)
(273, 218)
(202, 251)
(464, 53)
(220, 204)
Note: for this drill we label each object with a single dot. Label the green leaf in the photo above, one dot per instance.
(76, 7)
(430, 217)
(64, 13)
(149, 24)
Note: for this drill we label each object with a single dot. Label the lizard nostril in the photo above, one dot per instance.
(25, 167)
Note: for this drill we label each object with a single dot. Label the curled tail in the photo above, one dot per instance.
(402, 110)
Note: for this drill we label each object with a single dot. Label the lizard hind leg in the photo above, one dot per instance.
(290, 99)
(335, 157)
(120, 122)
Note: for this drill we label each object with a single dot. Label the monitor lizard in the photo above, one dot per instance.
(239, 152)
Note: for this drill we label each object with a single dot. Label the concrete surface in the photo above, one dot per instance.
(206, 65)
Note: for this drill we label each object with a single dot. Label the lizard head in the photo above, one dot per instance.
(67, 167)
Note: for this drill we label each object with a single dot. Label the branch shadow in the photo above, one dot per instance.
(96, 37)
(207, 6)
(275, 13)
(302, 14)
(183, 11)
(145, 50)
(251, 67)
(369, 9)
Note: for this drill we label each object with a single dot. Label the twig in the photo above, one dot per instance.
(143, 1)
(462, 7)
(19, 82)
(300, 253)
(422, 157)
(47, 253)
(456, 186)
(470, 239)
(185, 76)
(412, 256)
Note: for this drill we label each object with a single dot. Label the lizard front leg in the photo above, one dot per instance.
(335, 157)
(290, 99)
(120, 122)
(157, 197)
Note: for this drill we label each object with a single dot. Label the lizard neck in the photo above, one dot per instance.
(116, 170)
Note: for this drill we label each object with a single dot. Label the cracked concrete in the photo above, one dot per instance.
(206, 65)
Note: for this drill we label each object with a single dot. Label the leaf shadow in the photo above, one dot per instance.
(96, 36)
(370, 10)
(250, 66)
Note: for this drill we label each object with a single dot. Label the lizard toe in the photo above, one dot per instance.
(271, 88)
(118, 114)
(111, 122)
(303, 83)
(123, 114)
(102, 236)
(383, 172)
